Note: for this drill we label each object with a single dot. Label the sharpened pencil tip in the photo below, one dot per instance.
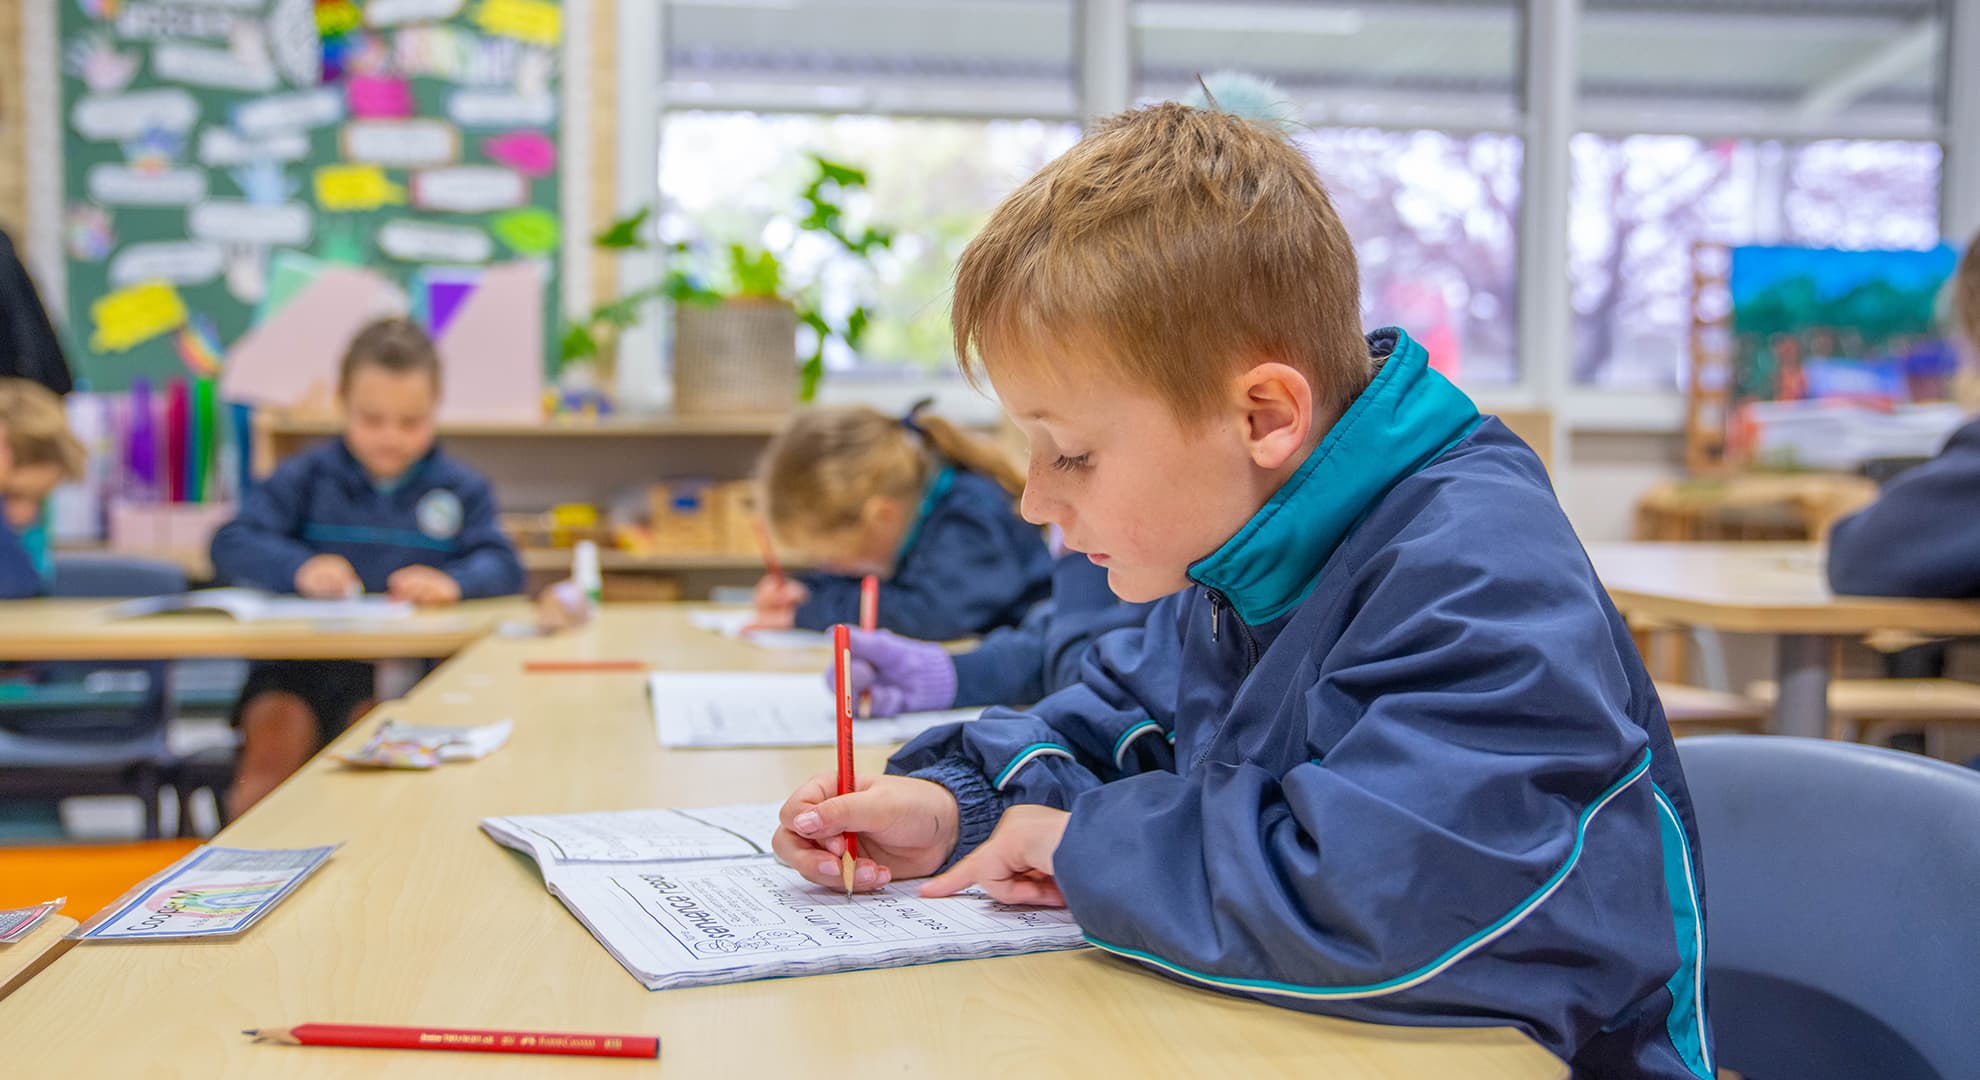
(250, 1031)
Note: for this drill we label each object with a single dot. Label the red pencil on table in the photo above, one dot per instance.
(869, 619)
(472, 1039)
(842, 655)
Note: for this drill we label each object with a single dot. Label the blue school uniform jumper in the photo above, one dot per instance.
(20, 577)
(1922, 535)
(969, 565)
(1019, 664)
(1393, 757)
(439, 513)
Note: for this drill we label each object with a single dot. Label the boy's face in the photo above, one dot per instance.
(1135, 489)
(24, 488)
(388, 419)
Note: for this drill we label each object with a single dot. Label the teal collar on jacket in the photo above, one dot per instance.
(937, 489)
(1406, 418)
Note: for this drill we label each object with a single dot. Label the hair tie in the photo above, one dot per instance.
(908, 418)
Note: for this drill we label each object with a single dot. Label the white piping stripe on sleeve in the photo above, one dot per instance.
(1128, 737)
(1031, 753)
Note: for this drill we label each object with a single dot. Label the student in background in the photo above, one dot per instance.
(380, 510)
(911, 499)
(1013, 665)
(1389, 754)
(37, 453)
(1922, 535)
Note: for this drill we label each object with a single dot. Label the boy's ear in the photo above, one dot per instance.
(882, 512)
(1276, 403)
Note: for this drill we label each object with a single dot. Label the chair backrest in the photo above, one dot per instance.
(1841, 887)
(115, 575)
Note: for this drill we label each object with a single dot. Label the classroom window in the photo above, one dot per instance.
(1434, 219)
(1775, 78)
(1641, 203)
(735, 176)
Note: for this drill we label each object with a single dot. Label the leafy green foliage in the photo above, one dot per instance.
(746, 272)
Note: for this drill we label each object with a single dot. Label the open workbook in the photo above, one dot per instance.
(253, 605)
(705, 710)
(694, 898)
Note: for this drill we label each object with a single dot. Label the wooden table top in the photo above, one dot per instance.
(421, 919)
(78, 630)
(1760, 588)
(25, 958)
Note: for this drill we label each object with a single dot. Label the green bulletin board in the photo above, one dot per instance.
(218, 154)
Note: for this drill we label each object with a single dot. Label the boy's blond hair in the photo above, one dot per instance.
(397, 345)
(1178, 245)
(37, 428)
(815, 477)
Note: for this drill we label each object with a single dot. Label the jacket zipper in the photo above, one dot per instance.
(1217, 605)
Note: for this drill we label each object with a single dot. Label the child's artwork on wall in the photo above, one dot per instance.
(1838, 356)
(221, 160)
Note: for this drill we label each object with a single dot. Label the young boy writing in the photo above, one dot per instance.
(382, 510)
(1390, 754)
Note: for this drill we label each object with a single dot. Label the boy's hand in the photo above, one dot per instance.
(906, 828)
(327, 577)
(561, 607)
(422, 585)
(777, 601)
(1015, 865)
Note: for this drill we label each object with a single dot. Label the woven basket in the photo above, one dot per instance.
(739, 356)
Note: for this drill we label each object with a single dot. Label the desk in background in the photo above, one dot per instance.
(1766, 588)
(78, 630)
(421, 919)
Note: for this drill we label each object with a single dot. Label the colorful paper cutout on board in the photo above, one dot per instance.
(532, 21)
(529, 231)
(356, 187)
(530, 153)
(373, 97)
(130, 316)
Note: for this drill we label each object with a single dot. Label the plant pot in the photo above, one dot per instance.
(738, 356)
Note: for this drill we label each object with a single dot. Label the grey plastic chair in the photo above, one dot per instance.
(93, 727)
(1842, 908)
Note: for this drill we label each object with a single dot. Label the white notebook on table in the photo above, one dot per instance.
(254, 605)
(694, 898)
(706, 710)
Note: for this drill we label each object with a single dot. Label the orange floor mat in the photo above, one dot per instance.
(90, 875)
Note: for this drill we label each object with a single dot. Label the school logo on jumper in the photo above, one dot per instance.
(439, 514)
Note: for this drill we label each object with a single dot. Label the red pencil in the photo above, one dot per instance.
(473, 1039)
(545, 667)
(842, 656)
(869, 619)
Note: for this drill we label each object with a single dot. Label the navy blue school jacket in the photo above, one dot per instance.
(19, 579)
(1922, 535)
(969, 565)
(1019, 664)
(1393, 757)
(440, 514)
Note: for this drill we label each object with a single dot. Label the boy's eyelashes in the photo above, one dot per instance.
(1063, 463)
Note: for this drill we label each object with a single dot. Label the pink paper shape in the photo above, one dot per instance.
(491, 354)
(292, 356)
(530, 153)
(375, 97)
